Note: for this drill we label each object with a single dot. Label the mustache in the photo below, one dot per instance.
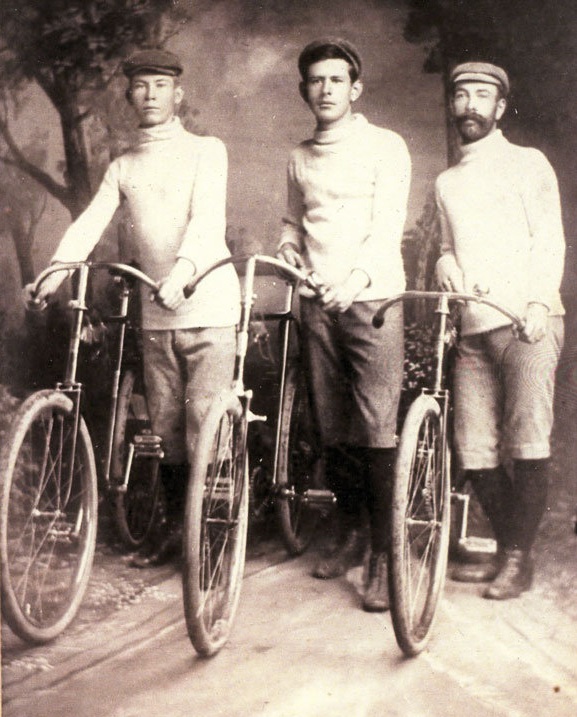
(472, 116)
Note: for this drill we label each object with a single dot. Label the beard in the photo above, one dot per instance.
(473, 127)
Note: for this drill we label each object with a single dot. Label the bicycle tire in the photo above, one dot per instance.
(215, 527)
(48, 517)
(420, 525)
(137, 507)
(299, 465)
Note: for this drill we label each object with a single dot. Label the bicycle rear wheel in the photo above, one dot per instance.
(215, 527)
(135, 507)
(420, 525)
(299, 465)
(48, 517)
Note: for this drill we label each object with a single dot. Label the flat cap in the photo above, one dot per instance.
(481, 72)
(312, 51)
(159, 62)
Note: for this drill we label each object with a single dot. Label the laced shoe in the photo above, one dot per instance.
(515, 576)
(347, 554)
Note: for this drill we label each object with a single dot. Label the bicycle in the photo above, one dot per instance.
(49, 501)
(422, 490)
(216, 513)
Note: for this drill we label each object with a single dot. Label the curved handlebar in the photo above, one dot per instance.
(115, 267)
(309, 279)
(378, 318)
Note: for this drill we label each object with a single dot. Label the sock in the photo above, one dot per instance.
(494, 490)
(380, 466)
(174, 479)
(530, 491)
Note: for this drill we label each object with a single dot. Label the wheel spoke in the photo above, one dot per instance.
(215, 531)
(419, 518)
(51, 501)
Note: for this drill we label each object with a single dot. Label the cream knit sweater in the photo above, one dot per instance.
(501, 223)
(174, 186)
(347, 199)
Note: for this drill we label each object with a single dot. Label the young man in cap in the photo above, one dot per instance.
(347, 197)
(502, 233)
(173, 184)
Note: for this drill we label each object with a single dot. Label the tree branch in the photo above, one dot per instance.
(59, 191)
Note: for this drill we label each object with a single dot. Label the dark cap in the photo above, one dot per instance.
(313, 53)
(159, 62)
(481, 72)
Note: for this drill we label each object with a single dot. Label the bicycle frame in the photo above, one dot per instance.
(70, 385)
(437, 390)
(294, 277)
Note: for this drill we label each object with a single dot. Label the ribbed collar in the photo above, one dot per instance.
(338, 134)
(161, 132)
(491, 144)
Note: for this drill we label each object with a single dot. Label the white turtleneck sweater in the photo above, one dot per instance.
(501, 223)
(347, 199)
(174, 186)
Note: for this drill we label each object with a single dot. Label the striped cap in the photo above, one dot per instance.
(481, 72)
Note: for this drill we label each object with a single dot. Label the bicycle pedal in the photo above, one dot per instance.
(147, 446)
(473, 544)
(146, 439)
(318, 496)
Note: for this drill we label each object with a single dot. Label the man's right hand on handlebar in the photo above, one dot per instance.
(36, 299)
(290, 254)
(449, 275)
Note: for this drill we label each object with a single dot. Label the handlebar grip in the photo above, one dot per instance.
(378, 320)
(188, 291)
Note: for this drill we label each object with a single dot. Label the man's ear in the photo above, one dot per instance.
(501, 107)
(128, 95)
(178, 95)
(303, 91)
(356, 90)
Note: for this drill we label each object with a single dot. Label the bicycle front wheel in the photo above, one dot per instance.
(215, 527)
(48, 517)
(299, 465)
(137, 505)
(419, 525)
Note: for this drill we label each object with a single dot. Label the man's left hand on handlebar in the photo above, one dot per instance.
(170, 292)
(535, 323)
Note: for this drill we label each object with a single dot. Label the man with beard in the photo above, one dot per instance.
(502, 233)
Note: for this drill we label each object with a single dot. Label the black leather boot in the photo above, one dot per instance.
(531, 478)
(167, 543)
(479, 572)
(347, 554)
(169, 546)
(344, 475)
(377, 591)
(515, 576)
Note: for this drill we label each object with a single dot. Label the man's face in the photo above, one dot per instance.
(329, 92)
(477, 107)
(154, 98)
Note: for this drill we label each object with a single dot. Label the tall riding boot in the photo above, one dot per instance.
(494, 490)
(168, 542)
(343, 477)
(380, 464)
(531, 478)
